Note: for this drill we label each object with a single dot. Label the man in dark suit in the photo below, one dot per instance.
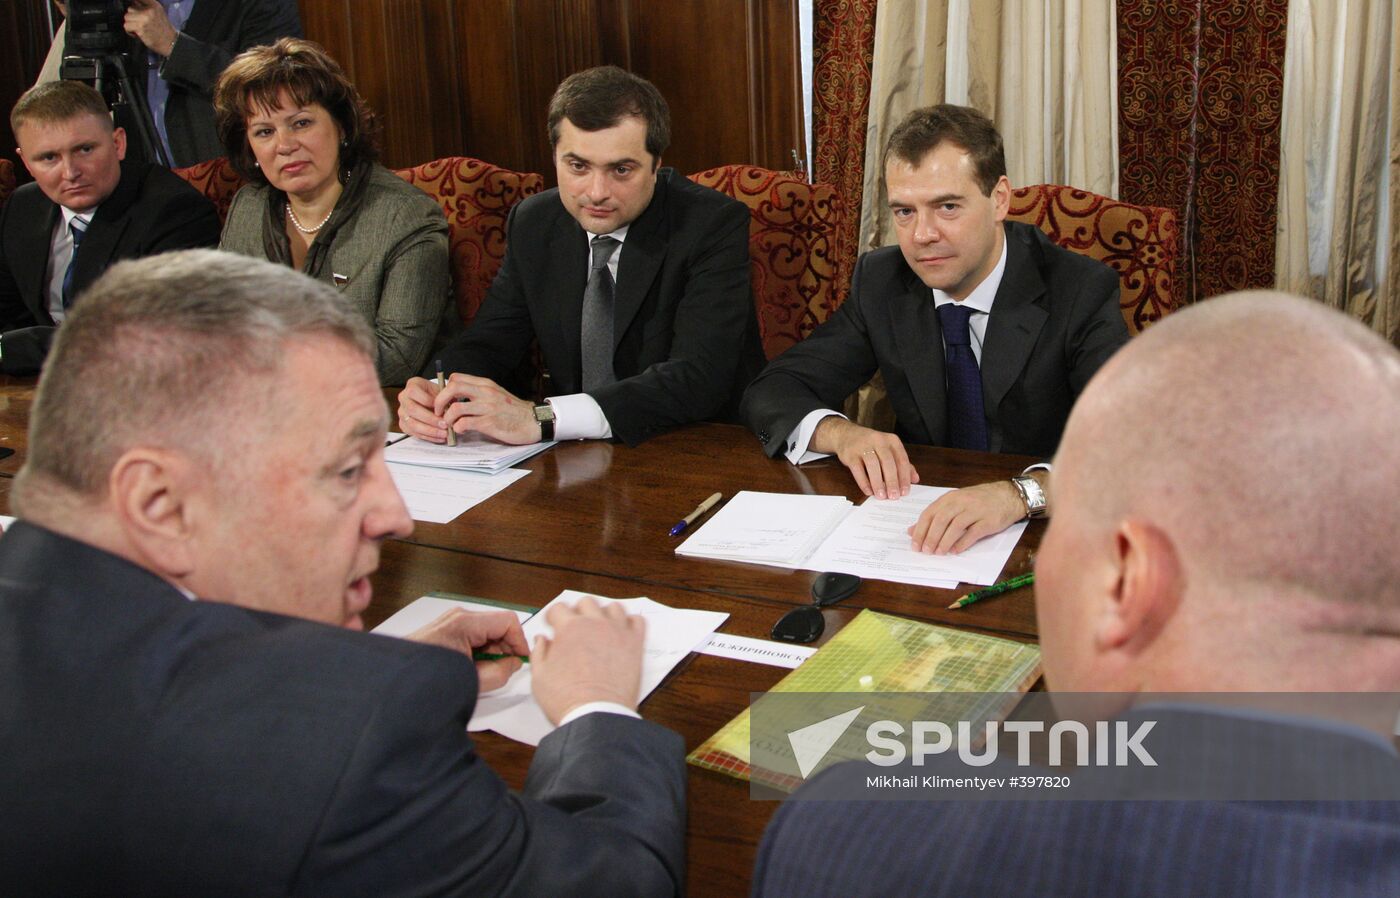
(188, 43)
(184, 712)
(633, 279)
(86, 209)
(1182, 561)
(984, 330)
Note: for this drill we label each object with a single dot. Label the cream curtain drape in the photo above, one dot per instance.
(1338, 159)
(1046, 71)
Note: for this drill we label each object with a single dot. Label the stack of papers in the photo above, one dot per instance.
(473, 452)
(439, 482)
(780, 529)
(672, 634)
(871, 541)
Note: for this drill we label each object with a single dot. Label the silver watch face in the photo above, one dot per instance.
(544, 412)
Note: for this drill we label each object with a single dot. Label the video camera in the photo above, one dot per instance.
(97, 51)
(95, 28)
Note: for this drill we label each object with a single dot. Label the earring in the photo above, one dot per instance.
(257, 164)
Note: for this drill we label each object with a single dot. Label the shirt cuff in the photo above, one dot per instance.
(801, 437)
(598, 707)
(1039, 466)
(579, 417)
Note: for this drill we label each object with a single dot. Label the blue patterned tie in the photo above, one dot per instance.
(967, 421)
(78, 228)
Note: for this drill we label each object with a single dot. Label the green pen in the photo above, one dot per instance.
(995, 589)
(497, 656)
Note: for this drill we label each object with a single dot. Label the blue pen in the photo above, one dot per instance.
(690, 518)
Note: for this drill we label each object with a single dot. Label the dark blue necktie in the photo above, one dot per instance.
(967, 422)
(78, 229)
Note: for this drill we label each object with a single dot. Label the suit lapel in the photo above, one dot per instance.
(1015, 323)
(919, 338)
(98, 250)
(642, 255)
(36, 244)
(564, 285)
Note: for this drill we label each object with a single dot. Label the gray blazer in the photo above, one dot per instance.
(390, 263)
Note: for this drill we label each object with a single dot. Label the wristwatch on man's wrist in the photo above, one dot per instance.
(544, 416)
(1032, 495)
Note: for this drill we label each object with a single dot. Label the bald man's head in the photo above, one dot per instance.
(1263, 432)
(1258, 435)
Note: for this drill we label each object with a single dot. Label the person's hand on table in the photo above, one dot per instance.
(595, 656)
(876, 459)
(147, 22)
(488, 631)
(953, 522)
(417, 415)
(488, 409)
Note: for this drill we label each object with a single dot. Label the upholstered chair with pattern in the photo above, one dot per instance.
(794, 260)
(1139, 242)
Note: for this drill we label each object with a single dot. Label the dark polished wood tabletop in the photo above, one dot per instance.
(605, 508)
(594, 516)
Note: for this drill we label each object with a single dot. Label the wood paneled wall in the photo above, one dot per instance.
(474, 77)
(24, 42)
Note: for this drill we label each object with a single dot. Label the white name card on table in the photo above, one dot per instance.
(758, 651)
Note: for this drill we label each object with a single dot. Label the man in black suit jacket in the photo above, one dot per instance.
(188, 55)
(1184, 560)
(647, 326)
(124, 210)
(205, 493)
(1038, 322)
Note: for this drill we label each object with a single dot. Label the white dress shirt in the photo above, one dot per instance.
(61, 254)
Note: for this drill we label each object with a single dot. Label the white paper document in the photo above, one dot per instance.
(424, 610)
(473, 452)
(870, 540)
(437, 495)
(873, 542)
(672, 633)
(781, 529)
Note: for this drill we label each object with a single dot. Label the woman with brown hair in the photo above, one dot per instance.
(295, 127)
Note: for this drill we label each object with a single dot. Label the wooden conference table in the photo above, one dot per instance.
(594, 517)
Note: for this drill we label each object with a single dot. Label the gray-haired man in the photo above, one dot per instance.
(211, 427)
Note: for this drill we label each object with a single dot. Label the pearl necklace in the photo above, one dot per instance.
(296, 224)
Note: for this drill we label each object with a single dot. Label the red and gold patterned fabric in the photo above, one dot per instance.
(793, 238)
(216, 179)
(476, 196)
(844, 48)
(7, 180)
(1139, 242)
(1200, 94)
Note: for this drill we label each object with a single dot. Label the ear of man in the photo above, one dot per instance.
(151, 492)
(1147, 591)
